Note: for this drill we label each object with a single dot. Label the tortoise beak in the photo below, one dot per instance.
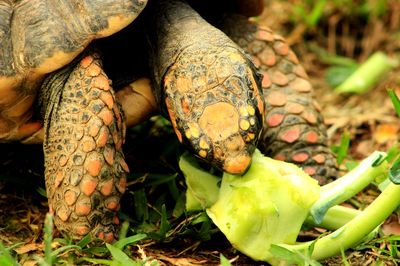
(237, 165)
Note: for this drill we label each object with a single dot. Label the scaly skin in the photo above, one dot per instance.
(209, 87)
(85, 170)
(294, 129)
(41, 36)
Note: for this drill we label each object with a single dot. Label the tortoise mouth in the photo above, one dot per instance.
(237, 165)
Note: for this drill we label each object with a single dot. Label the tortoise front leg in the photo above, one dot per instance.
(85, 169)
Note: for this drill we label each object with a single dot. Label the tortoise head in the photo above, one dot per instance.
(214, 102)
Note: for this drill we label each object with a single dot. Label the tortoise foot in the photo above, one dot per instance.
(85, 168)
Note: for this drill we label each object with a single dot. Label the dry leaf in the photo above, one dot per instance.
(385, 133)
(27, 248)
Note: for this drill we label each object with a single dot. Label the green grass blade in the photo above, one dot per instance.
(48, 237)
(6, 258)
(121, 257)
(286, 255)
(86, 240)
(316, 13)
(97, 251)
(394, 172)
(56, 252)
(343, 148)
(224, 261)
(120, 244)
(395, 101)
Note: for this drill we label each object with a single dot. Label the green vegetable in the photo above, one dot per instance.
(254, 215)
(267, 206)
(368, 74)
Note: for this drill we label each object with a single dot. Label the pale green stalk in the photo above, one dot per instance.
(368, 74)
(350, 184)
(334, 218)
(355, 230)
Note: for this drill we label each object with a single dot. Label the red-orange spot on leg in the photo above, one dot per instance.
(103, 137)
(310, 170)
(281, 48)
(280, 157)
(279, 78)
(292, 57)
(63, 214)
(93, 167)
(319, 158)
(109, 237)
(301, 85)
(85, 62)
(107, 99)
(101, 235)
(94, 130)
(88, 145)
(82, 209)
(294, 108)
(109, 155)
(112, 205)
(122, 185)
(267, 56)
(275, 120)
(70, 197)
(311, 137)
(266, 82)
(107, 187)
(264, 35)
(88, 185)
(310, 117)
(107, 116)
(59, 178)
(116, 220)
(291, 135)
(94, 70)
(82, 230)
(124, 165)
(63, 160)
(101, 82)
(300, 157)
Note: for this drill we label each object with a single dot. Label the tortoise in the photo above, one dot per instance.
(210, 84)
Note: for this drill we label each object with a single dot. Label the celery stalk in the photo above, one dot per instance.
(351, 233)
(368, 74)
(335, 217)
(350, 184)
